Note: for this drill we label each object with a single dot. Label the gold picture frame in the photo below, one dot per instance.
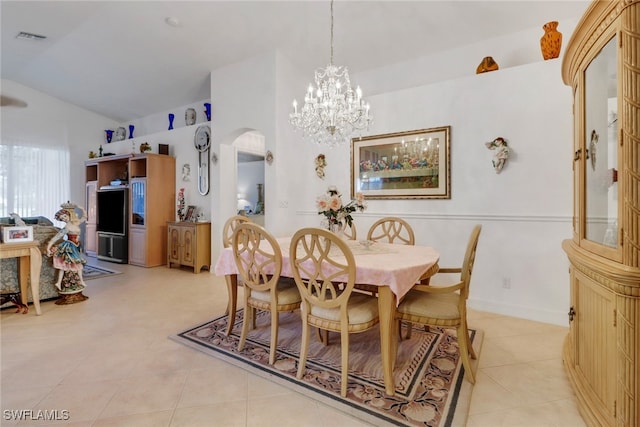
(403, 165)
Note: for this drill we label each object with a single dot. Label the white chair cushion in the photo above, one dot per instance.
(287, 292)
(441, 306)
(362, 309)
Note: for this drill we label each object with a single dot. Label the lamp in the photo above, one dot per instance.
(332, 110)
(243, 203)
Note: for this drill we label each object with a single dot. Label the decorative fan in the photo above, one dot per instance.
(9, 101)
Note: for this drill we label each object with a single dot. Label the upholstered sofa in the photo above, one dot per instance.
(43, 231)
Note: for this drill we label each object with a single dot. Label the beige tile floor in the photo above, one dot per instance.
(108, 362)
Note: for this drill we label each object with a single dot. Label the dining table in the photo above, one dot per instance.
(393, 268)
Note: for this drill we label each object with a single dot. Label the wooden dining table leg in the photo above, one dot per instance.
(388, 339)
(23, 277)
(232, 290)
(35, 265)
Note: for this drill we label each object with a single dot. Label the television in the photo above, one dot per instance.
(112, 211)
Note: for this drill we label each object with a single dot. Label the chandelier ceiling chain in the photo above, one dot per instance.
(331, 38)
(332, 111)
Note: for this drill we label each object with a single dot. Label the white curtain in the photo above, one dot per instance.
(34, 181)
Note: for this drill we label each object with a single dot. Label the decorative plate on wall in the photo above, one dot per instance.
(190, 116)
(120, 134)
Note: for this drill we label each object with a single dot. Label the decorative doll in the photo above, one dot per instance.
(64, 247)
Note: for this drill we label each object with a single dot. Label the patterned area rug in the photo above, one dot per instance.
(94, 272)
(429, 377)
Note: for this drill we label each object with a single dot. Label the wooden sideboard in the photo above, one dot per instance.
(602, 351)
(189, 244)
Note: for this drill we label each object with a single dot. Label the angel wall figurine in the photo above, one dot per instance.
(64, 247)
(320, 163)
(502, 152)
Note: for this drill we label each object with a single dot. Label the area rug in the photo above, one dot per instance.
(94, 272)
(429, 377)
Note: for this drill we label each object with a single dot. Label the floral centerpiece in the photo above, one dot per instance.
(337, 214)
(181, 204)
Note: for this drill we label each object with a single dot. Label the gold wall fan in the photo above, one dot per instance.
(9, 101)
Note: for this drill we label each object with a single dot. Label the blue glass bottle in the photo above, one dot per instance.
(207, 110)
(171, 117)
(130, 131)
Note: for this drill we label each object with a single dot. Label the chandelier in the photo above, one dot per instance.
(332, 110)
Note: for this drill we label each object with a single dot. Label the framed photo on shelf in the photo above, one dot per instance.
(190, 216)
(17, 234)
(404, 165)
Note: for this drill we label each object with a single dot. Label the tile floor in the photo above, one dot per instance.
(108, 362)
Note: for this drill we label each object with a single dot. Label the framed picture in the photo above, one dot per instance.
(190, 216)
(404, 165)
(17, 234)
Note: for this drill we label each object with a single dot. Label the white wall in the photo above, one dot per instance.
(48, 121)
(242, 100)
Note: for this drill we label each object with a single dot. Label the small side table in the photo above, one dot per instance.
(189, 244)
(29, 264)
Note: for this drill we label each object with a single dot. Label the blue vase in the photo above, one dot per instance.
(171, 117)
(130, 131)
(207, 110)
(109, 135)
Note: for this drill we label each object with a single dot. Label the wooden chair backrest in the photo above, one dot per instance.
(230, 226)
(323, 267)
(350, 231)
(392, 230)
(257, 255)
(469, 260)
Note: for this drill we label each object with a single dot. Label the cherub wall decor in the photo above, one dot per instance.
(320, 163)
(502, 152)
(64, 247)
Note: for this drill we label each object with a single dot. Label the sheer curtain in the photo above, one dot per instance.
(34, 180)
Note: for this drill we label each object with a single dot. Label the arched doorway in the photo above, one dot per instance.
(250, 177)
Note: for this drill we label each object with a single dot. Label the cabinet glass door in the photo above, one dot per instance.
(601, 147)
(138, 208)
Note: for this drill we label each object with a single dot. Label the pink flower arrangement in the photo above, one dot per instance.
(330, 205)
(181, 205)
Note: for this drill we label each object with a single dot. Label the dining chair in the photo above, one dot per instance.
(349, 231)
(388, 230)
(392, 229)
(324, 270)
(230, 226)
(258, 259)
(445, 306)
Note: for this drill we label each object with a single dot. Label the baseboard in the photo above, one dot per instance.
(523, 312)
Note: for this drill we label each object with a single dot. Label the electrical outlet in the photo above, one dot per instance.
(506, 283)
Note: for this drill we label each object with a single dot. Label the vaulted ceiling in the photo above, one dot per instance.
(123, 60)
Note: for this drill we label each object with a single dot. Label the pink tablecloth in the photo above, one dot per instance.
(396, 266)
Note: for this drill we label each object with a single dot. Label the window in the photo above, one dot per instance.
(34, 181)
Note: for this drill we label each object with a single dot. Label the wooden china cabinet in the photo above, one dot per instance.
(602, 351)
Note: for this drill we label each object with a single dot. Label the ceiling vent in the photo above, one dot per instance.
(30, 36)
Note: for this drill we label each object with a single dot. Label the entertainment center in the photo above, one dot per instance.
(130, 198)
